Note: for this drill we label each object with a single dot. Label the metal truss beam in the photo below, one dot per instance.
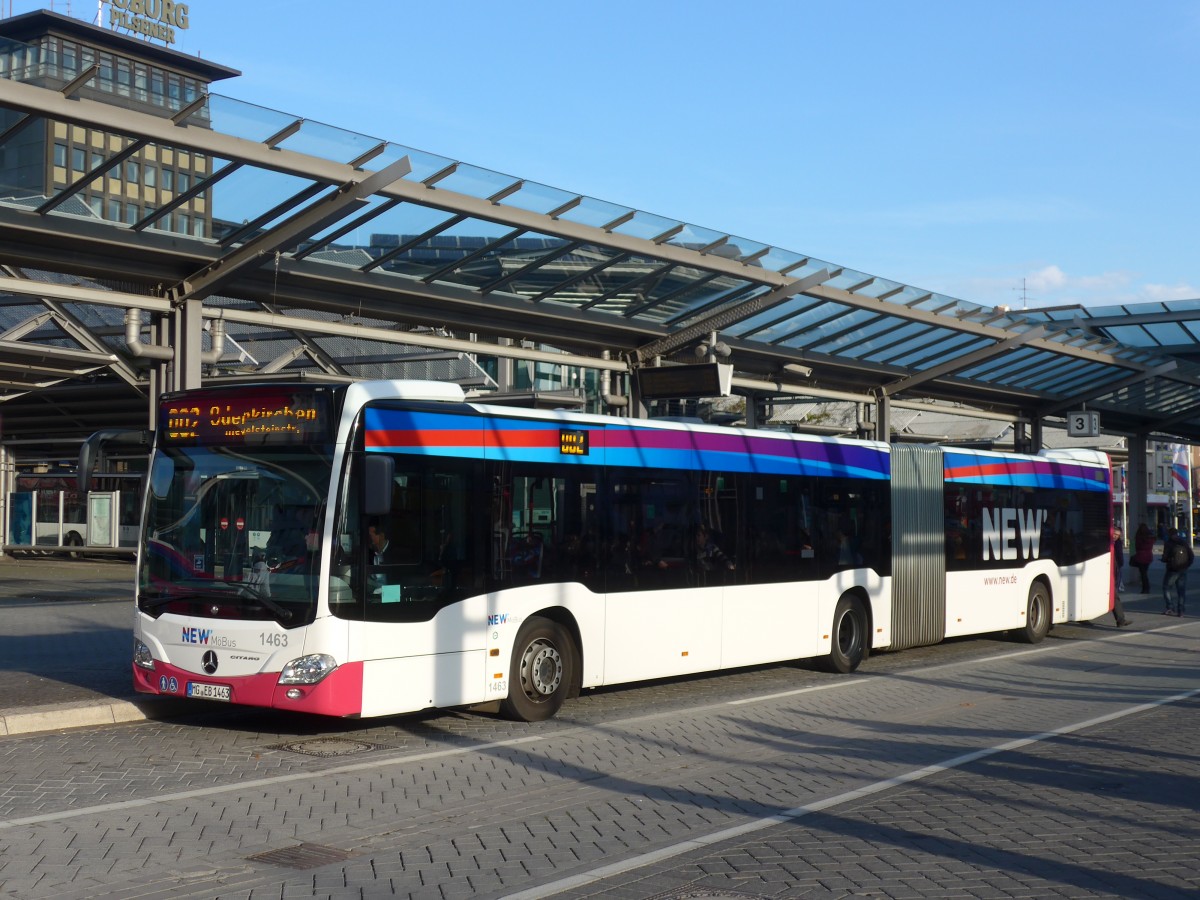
(287, 234)
(965, 361)
(723, 319)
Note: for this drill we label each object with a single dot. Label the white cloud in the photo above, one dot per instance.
(1051, 278)
(1163, 292)
(1052, 285)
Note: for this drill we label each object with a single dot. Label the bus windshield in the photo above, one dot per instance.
(234, 532)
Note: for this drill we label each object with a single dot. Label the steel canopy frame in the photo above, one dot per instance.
(309, 283)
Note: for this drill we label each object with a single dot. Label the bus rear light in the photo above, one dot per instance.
(307, 669)
(142, 657)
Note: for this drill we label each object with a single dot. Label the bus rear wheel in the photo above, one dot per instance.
(1037, 615)
(849, 636)
(540, 676)
(74, 539)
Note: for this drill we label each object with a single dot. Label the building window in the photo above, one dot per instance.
(168, 179)
(185, 181)
(133, 172)
(151, 176)
(78, 159)
(60, 155)
(124, 77)
(114, 210)
(106, 70)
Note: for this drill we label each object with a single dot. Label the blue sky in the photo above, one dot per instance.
(964, 147)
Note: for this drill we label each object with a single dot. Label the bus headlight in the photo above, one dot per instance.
(307, 669)
(141, 655)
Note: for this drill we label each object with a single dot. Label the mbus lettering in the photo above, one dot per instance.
(1012, 533)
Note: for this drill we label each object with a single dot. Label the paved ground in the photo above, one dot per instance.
(976, 768)
(65, 638)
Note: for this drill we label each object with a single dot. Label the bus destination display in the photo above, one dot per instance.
(245, 417)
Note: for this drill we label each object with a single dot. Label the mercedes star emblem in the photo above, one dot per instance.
(209, 662)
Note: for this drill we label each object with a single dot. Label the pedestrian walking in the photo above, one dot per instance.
(1143, 554)
(1177, 556)
(1118, 610)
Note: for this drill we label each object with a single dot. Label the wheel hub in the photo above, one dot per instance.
(545, 669)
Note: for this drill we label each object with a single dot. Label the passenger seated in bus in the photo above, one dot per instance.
(381, 554)
(380, 546)
(709, 556)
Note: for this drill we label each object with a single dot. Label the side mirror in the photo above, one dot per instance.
(379, 470)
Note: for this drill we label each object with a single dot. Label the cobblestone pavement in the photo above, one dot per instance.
(977, 768)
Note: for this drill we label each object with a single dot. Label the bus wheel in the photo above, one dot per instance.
(540, 675)
(1037, 615)
(74, 539)
(849, 635)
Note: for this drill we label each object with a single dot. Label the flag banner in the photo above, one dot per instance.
(1179, 467)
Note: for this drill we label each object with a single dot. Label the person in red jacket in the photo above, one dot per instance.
(1143, 554)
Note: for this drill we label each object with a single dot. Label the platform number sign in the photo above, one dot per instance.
(1083, 424)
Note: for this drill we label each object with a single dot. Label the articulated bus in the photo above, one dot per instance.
(385, 547)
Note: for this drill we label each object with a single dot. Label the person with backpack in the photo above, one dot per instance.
(1177, 556)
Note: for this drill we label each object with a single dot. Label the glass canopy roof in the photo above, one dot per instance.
(518, 258)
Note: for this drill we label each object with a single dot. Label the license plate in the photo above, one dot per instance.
(209, 691)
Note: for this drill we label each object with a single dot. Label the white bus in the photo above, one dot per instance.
(386, 547)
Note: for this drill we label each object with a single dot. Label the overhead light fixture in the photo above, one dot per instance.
(717, 348)
(797, 369)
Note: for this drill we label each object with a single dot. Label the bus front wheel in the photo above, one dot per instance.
(541, 671)
(849, 636)
(1037, 615)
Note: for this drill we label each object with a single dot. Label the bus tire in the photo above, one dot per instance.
(1037, 615)
(848, 646)
(541, 673)
(74, 539)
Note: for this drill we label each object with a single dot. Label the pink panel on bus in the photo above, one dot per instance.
(338, 694)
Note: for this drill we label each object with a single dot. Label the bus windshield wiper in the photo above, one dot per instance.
(252, 592)
(212, 591)
(164, 597)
